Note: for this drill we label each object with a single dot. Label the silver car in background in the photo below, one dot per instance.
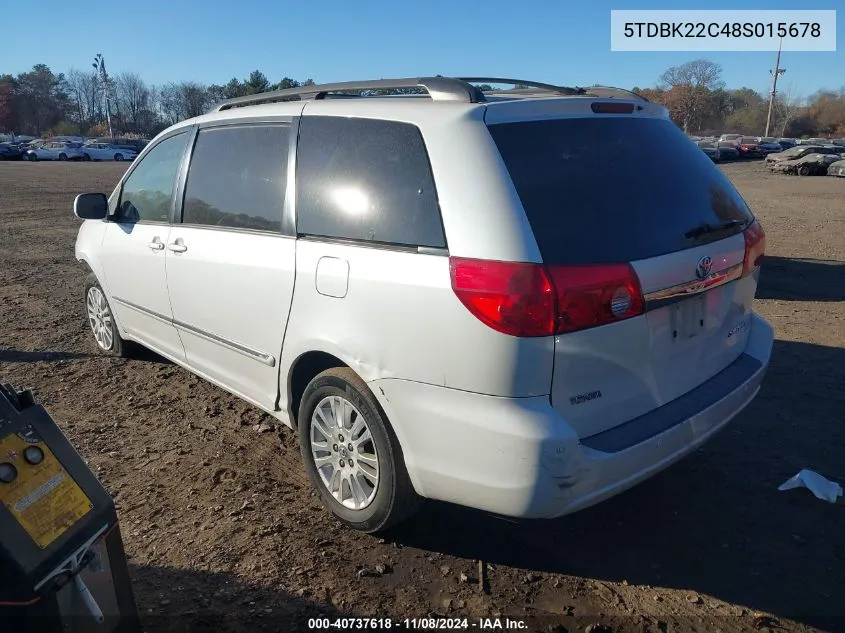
(55, 150)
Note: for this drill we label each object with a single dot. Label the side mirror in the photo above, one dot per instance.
(91, 206)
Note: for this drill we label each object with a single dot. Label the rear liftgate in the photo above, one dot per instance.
(62, 563)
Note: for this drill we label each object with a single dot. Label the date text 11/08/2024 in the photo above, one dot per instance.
(417, 624)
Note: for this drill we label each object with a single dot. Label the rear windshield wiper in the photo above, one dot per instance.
(706, 229)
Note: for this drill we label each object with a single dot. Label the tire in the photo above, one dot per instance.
(804, 170)
(118, 157)
(86, 157)
(62, 156)
(101, 320)
(392, 498)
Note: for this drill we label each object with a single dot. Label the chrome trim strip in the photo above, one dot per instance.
(673, 294)
(150, 313)
(254, 354)
(261, 357)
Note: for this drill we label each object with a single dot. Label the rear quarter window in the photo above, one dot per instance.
(607, 189)
(367, 180)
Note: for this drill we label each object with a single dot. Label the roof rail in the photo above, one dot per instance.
(564, 90)
(438, 88)
(595, 91)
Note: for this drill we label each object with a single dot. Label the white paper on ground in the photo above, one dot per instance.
(824, 489)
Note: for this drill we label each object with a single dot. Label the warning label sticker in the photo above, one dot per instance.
(43, 498)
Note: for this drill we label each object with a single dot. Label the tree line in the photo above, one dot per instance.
(697, 100)
(42, 102)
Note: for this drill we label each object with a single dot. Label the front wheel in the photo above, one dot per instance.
(86, 157)
(118, 157)
(62, 156)
(804, 170)
(351, 454)
(101, 320)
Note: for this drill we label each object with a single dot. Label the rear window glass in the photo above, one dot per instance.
(609, 189)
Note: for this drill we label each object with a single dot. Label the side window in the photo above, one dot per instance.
(366, 179)
(237, 177)
(148, 191)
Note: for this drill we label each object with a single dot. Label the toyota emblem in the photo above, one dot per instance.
(703, 268)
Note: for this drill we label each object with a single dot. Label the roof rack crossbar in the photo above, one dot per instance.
(564, 90)
(438, 88)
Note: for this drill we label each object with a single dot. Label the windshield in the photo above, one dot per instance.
(592, 194)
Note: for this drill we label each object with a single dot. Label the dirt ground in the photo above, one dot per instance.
(223, 533)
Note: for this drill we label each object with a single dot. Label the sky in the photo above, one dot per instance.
(564, 42)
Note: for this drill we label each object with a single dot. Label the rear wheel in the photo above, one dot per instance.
(86, 157)
(351, 454)
(118, 157)
(804, 170)
(62, 156)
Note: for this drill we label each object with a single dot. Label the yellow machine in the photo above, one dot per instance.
(62, 564)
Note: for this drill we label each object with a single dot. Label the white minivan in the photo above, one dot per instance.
(491, 298)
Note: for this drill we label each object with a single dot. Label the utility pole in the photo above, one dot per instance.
(100, 65)
(777, 72)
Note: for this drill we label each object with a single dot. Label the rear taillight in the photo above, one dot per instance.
(588, 296)
(510, 297)
(522, 299)
(755, 247)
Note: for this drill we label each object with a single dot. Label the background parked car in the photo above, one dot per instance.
(136, 144)
(54, 150)
(730, 137)
(810, 165)
(728, 150)
(836, 168)
(106, 151)
(787, 143)
(799, 151)
(712, 150)
(769, 145)
(749, 148)
(10, 151)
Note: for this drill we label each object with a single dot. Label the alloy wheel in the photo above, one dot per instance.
(100, 318)
(344, 453)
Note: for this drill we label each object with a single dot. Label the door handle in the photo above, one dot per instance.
(156, 244)
(178, 246)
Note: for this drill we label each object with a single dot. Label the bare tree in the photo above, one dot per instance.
(195, 98)
(133, 97)
(787, 108)
(691, 85)
(85, 93)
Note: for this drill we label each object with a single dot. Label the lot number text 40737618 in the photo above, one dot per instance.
(417, 624)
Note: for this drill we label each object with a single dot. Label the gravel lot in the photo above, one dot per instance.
(223, 533)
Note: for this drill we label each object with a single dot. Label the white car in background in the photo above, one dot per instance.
(106, 151)
(55, 150)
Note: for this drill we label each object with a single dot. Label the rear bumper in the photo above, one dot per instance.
(518, 457)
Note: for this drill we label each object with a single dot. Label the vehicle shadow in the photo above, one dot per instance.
(173, 600)
(790, 279)
(19, 356)
(146, 355)
(714, 523)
